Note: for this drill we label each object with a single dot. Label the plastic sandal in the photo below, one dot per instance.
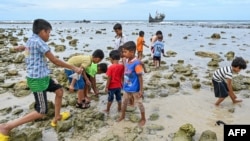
(83, 105)
(4, 137)
(65, 116)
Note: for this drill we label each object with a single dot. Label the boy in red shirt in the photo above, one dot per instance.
(115, 79)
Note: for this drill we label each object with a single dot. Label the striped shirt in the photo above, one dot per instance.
(223, 73)
(35, 59)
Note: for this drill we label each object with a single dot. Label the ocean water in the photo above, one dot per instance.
(196, 108)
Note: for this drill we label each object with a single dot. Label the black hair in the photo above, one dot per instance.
(98, 54)
(239, 62)
(103, 67)
(141, 33)
(115, 55)
(158, 32)
(117, 26)
(130, 46)
(120, 49)
(41, 24)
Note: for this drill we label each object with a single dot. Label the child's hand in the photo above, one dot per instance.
(71, 88)
(106, 90)
(78, 70)
(140, 94)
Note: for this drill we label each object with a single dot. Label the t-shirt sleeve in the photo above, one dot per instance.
(86, 62)
(43, 47)
(139, 69)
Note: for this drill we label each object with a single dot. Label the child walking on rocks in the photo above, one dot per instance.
(133, 81)
(38, 78)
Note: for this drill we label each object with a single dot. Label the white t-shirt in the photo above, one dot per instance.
(120, 40)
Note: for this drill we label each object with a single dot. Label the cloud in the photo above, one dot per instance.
(166, 3)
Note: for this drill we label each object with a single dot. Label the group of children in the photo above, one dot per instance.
(125, 73)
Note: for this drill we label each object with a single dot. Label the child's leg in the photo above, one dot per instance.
(144, 68)
(139, 55)
(119, 106)
(124, 106)
(217, 103)
(118, 99)
(7, 127)
(131, 101)
(85, 92)
(110, 100)
(41, 110)
(58, 104)
(72, 84)
(138, 101)
(108, 107)
(157, 63)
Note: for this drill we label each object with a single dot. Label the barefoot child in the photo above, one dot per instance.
(158, 49)
(221, 88)
(115, 79)
(38, 78)
(140, 44)
(133, 81)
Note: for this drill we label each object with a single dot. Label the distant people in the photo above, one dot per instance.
(140, 44)
(120, 38)
(83, 61)
(133, 81)
(221, 88)
(38, 78)
(114, 82)
(157, 50)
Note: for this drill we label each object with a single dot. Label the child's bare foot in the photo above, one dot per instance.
(106, 111)
(120, 119)
(237, 101)
(142, 122)
(3, 129)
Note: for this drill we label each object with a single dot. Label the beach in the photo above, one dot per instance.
(176, 104)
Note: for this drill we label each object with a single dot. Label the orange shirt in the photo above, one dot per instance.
(140, 43)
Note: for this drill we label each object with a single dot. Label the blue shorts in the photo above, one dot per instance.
(79, 85)
(220, 89)
(116, 92)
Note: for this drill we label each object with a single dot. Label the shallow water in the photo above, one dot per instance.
(195, 107)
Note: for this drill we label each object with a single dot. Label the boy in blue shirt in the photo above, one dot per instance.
(133, 81)
(157, 49)
(38, 78)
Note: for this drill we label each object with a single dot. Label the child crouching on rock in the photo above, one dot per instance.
(221, 88)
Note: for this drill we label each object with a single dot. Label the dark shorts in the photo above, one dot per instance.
(116, 92)
(220, 89)
(79, 85)
(88, 76)
(41, 102)
(157, 58)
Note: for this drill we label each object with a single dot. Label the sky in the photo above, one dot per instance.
(124, 9)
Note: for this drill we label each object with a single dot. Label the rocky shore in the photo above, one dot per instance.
(175, 77)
